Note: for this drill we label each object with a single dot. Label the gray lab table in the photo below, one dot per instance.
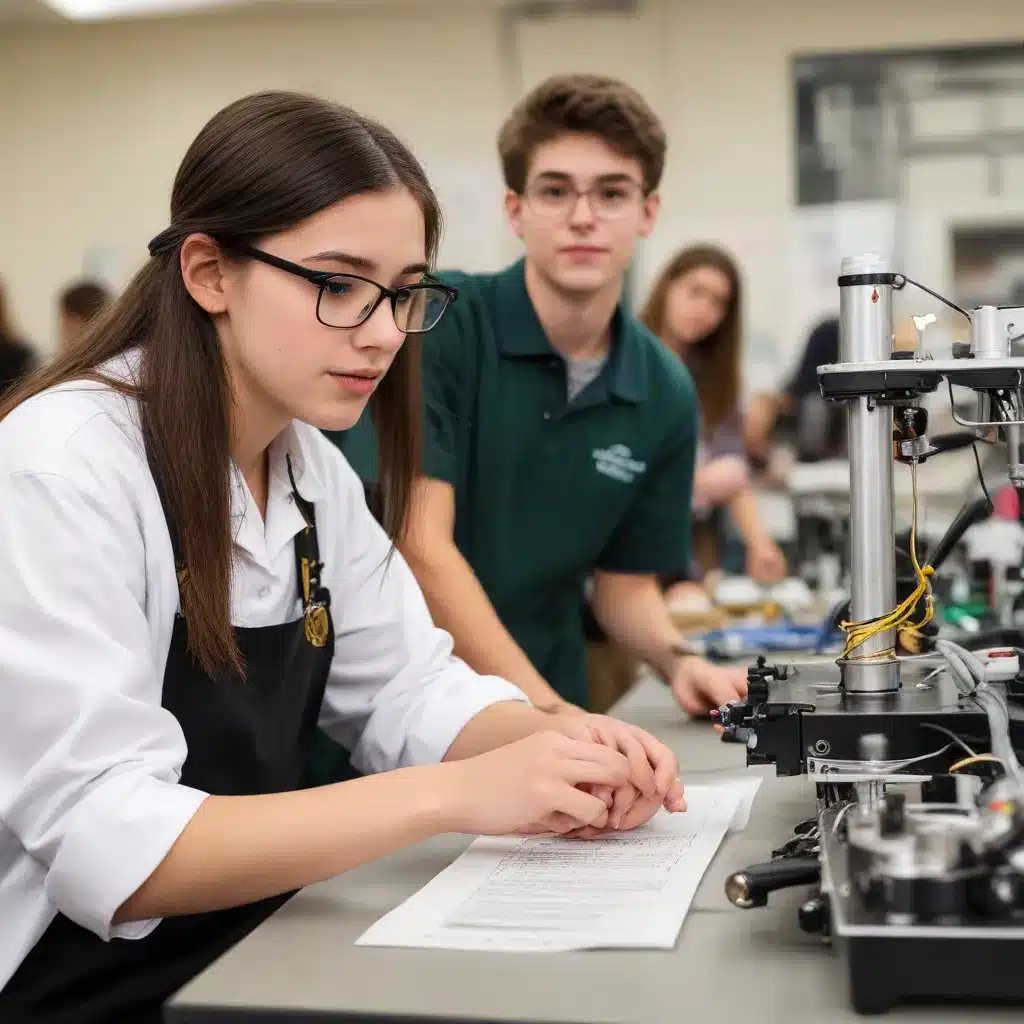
(729, 965)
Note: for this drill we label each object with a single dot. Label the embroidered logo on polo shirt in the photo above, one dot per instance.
(618, 463)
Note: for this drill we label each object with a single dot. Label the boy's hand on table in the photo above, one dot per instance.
(700, 687)
(766, 562)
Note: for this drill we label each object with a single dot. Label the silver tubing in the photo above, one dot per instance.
(865, 335)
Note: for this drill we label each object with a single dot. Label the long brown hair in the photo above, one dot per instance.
(715, 360)
(261, 165)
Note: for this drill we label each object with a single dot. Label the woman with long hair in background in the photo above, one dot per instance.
(695, 308)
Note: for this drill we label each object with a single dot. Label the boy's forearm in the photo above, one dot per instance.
(632, 611)
(759, 421)
(459, 604)
(747, 517)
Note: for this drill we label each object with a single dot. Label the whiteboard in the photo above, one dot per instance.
(476, 237)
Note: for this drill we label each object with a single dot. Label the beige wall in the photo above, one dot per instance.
(93, 119)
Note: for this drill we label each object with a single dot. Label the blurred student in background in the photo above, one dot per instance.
(817, 428)
(797, 415)
(695, 308)
(78, 304)
(16, 358)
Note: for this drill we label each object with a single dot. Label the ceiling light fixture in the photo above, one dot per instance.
(100, 10)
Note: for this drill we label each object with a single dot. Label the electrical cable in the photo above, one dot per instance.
(882, 768)
(981, 475)
(858, 633)
(964, 663)
(977, 759)
(897, 765)
(963, 678)
(974, 664)
(999, 724)
(900, 281)
(839, 817)
(949, 732)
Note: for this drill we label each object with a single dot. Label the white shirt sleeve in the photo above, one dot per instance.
(396, 695)
(89, 760)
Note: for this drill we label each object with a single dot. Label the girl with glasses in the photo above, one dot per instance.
(192, 583)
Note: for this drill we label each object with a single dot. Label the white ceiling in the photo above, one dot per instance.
(38, 11)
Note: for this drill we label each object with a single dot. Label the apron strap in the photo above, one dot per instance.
(316, 599)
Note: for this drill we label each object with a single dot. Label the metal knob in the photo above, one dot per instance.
(813, 916)
(739, 734)
(873, 746)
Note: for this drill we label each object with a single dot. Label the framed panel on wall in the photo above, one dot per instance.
(930, 139)
(869, 125)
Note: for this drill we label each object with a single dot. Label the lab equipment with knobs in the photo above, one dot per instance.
(915, 860)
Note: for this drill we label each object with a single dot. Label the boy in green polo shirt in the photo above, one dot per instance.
(561, 434)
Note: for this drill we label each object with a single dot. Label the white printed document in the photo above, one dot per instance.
(629, 890)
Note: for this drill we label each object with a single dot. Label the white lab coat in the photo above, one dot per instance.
(89, 760)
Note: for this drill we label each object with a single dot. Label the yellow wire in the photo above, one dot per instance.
(976, 759)
(858, 633)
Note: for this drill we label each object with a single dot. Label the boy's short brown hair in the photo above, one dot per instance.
(594, 104)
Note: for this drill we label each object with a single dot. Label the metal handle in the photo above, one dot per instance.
(750, 887)
(976, 424)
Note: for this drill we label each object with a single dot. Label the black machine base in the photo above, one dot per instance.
(918, 914)
(959, 957)
(953, 959)
(798, 718)
(888, 971)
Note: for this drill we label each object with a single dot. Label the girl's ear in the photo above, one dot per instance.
(203, 273)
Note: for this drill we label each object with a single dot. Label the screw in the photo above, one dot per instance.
(1003, 890)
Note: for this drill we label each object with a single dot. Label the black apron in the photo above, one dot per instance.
(244, 737)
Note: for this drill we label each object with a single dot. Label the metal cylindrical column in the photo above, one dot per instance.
(865, 335)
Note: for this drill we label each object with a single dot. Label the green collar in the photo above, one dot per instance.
(520, 335)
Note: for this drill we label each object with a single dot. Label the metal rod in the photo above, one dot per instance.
(865, 335)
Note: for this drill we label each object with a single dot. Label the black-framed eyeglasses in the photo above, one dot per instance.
(347, 300)
(608, 200)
